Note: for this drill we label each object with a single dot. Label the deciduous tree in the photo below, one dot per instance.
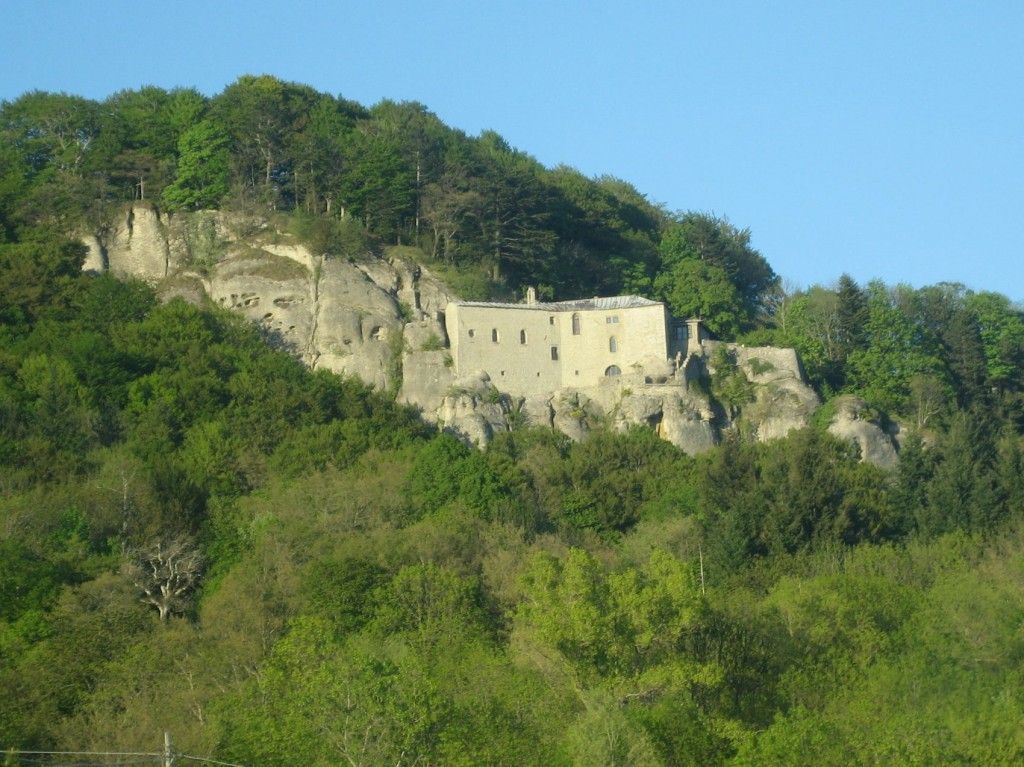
(203, 165)
(709, 270)
(168, 574)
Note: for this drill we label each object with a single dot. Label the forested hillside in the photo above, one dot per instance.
(200, 536)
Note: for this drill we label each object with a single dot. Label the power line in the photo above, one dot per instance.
(84, 753)
(207, 761)
(64, 763)
(116, 759)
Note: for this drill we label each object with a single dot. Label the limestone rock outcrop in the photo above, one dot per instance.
(136, 245)
(427, 374)
(473, 409)
(382, 318)
(346, 316)
(271, 289)
(782, 399)
(854, 422)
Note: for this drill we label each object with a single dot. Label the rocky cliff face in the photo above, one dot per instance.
(349, 316)
(381, 319)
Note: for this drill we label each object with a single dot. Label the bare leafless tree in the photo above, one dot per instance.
(168, 573)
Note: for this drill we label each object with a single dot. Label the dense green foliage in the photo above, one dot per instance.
(366, 590)
(491, 216)
(343, 584)
(919, 355)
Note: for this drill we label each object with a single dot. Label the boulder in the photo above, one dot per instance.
(689, 429)
(572, 413)
(472, 419)
(537, 411)
(855, 422)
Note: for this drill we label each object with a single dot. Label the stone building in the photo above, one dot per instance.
(535, 348)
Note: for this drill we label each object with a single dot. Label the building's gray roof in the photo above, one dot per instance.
(580, 305)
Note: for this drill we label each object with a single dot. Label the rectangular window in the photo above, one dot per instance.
(613, 320)
(554, 353)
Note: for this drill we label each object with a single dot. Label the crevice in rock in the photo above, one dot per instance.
(311, 351)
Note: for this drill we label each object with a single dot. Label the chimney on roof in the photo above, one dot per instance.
(531, 295)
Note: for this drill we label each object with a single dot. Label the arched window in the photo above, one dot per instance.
(613, 345)
(522, 337)
(575, 324)
(613, 370)
(494, 335)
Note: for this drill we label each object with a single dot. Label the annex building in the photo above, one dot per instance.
(535, 348)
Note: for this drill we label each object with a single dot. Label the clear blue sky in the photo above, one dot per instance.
(881, 139)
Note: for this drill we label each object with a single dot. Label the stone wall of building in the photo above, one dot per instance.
(535, 349)
(512, 344)
(640, 340)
